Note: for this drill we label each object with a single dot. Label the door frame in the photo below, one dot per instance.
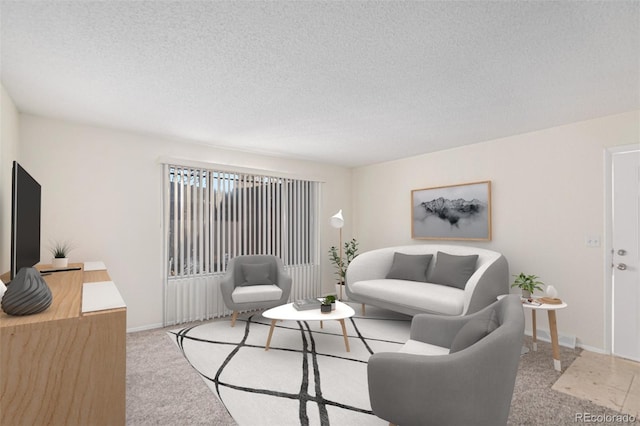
(608, 240)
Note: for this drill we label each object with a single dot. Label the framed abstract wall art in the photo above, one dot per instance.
(454, 212)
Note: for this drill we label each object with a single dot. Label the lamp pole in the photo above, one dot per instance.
(337, 221)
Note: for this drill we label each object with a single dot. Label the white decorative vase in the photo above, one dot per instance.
(551, 292)
(60, 262)
(344, 293)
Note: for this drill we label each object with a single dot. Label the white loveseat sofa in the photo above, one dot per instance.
(458, 280)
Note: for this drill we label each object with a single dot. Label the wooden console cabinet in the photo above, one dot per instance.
(62, 366)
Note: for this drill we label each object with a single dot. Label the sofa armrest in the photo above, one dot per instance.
(485, 285)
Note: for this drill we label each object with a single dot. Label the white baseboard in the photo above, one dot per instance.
(593, 349)
(567, 341)
(144, 328)
(563, 339)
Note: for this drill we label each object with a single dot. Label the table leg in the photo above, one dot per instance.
(553, 328)
(344, 333)
(321, 325)
(533, 327)
(273, 325)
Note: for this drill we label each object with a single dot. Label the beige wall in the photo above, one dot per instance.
(548, 195)
(102, 189)
(8, 153)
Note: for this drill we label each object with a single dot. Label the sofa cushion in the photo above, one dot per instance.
(474, 330)
(453, 270)
(256, 273)
(425, 297)
(412, 267)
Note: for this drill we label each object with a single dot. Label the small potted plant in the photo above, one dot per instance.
(527, 283)
(331, 299)
(60, 252)
(325, 305)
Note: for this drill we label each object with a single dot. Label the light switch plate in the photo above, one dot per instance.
(592, 240)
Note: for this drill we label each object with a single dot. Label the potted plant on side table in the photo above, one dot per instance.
(527, 283)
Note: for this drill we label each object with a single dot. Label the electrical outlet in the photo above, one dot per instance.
(592, 240)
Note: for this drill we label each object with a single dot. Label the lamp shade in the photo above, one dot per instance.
(551, 292)
(337, 221)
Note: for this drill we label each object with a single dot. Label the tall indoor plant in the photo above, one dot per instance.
(342, 263)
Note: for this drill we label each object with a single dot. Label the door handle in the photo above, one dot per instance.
(621, 266)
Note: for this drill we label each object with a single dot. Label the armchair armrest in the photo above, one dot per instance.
(436, 329)
(473, 386)
(227, 283)
(439, 330)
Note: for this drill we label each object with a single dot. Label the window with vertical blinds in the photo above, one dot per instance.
(216, 215)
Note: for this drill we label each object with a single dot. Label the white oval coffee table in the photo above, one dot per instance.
(289, 313)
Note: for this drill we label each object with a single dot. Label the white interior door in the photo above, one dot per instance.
(626, 254)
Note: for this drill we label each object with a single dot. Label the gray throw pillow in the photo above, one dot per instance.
(412, 267)
(474, 330)
(453, 270)
(256, 273)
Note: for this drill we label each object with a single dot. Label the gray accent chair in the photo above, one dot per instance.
(255, 282)
(425, 384)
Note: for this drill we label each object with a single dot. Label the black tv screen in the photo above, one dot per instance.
(25, 220)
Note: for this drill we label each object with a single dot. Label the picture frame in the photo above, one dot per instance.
(452, 212)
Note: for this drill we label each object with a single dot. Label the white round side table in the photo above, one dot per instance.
(553, 326)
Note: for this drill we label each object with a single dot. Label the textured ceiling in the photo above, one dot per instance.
(349, 83)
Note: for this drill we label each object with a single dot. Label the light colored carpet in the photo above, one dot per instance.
(163, 389)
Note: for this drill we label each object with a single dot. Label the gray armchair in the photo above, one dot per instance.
(255, 282)
(444, 375)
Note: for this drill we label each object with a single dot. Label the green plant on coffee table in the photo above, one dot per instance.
(341, 264)
(329, 299)
(527, 283)
(326, 305)
(60, 250)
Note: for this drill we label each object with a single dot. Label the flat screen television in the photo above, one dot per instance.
(25, 219)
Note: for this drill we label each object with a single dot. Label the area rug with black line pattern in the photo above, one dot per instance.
(305, 378)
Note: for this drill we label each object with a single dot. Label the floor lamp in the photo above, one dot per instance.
(337, 221)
